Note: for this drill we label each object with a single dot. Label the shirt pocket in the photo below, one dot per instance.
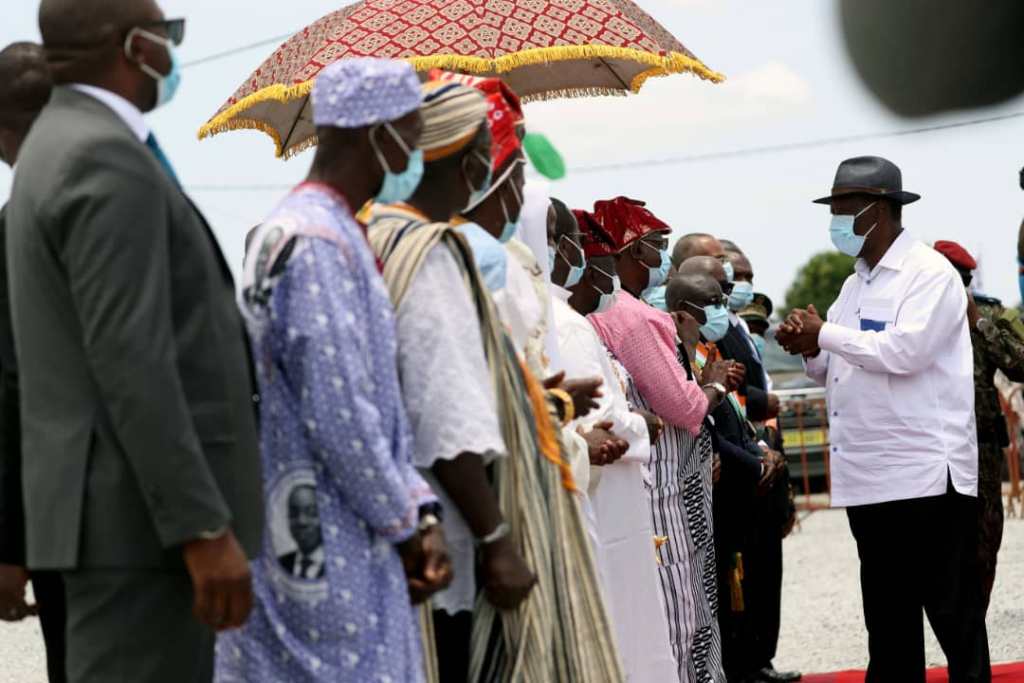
(876, 315)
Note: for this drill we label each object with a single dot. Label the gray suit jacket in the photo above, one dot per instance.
(138, 424)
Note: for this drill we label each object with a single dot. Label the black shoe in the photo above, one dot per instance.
(770, 675)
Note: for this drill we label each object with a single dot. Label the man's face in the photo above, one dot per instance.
(304, 519)
(396, 151)
(742, 270)
(864, 207)
(711, 295)
(648, 250)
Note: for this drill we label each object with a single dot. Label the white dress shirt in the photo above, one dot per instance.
(124, 109)
(898, 369)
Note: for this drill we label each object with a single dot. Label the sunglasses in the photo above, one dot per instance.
(715, 301)
(173, 29)
(727, 287)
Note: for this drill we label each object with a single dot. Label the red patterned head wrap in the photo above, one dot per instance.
(627, 220)
(596, 242)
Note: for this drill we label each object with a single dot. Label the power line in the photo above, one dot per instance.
(789, 146)
(697, 158)
(236, 50)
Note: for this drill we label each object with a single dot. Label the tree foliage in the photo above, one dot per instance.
(819, 281)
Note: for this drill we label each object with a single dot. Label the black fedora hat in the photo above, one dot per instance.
(872, 176)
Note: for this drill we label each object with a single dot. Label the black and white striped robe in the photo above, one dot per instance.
(680, 500)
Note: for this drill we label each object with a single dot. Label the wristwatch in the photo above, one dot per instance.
(500, 532)
(718, 387)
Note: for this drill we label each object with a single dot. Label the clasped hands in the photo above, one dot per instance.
(798, 334)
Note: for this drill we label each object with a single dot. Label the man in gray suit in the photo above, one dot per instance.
(143, 485)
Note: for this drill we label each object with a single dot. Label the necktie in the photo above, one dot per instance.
(154, 147)
(304, 566)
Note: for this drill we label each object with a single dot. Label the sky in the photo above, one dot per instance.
(789, 81)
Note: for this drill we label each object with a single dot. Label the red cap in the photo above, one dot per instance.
(505, 144)
(626, 220)
(596, 241)
(957, 255)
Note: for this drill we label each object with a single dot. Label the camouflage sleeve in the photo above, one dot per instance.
(1004, 342)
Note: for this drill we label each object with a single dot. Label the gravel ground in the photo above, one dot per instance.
(822, 625)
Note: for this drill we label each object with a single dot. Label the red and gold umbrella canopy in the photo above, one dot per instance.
(543, 48)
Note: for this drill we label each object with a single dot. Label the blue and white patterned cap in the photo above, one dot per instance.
(363, 91)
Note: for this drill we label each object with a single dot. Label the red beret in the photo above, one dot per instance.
(957, 255)
(596, 242)
(626, 220)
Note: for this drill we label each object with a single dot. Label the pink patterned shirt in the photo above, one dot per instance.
(643, 339)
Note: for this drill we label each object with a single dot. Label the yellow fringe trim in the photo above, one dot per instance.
(673, 62)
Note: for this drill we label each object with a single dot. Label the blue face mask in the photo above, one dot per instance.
(843, 236)
(510, 227)
(759, 343)
(166, 84)
(655, 297)
(716, 323)
(742, 295)
(657, 276)
(477, 196)
(575, 272)
(730, 272)
(398, 187)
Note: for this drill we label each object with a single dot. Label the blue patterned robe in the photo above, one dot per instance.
(332, 602)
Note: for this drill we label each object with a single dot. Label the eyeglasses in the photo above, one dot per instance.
(173, 29)
(726, 287)
(658, 245)
(715, 301)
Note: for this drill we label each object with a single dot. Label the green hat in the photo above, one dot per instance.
(544, 157)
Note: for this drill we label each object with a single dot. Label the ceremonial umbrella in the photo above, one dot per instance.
(542, 48)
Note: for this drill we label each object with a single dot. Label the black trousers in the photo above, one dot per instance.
(919, 556)
(134, 627)
(763, 587)
(452, 633)
(48, 589)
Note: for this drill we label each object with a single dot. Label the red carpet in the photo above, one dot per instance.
(1001, 673)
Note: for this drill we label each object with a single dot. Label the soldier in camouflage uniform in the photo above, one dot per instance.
(998, 338)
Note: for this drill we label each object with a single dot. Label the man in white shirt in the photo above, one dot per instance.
(895, 358)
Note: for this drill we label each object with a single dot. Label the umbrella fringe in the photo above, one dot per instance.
(661, 65)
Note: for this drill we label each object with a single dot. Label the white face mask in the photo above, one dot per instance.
(607, 299)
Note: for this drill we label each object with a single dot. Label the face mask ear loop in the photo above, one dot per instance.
(376, 150)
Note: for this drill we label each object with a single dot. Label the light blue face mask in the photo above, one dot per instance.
(657, 275)
(716, 323)
(166, 84)
(510, 227)
(759, 343)
(655, 297)
(843, 236)
(398, 187)
(477, 196)
(730, 272)
(742, 295)
(575, 272)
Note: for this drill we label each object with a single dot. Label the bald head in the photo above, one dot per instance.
(84, 39)
(696, 244)
(696, 289)
(24, 90)
(86, 23)
(730, 246)
(703, 265)
(24, 82)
